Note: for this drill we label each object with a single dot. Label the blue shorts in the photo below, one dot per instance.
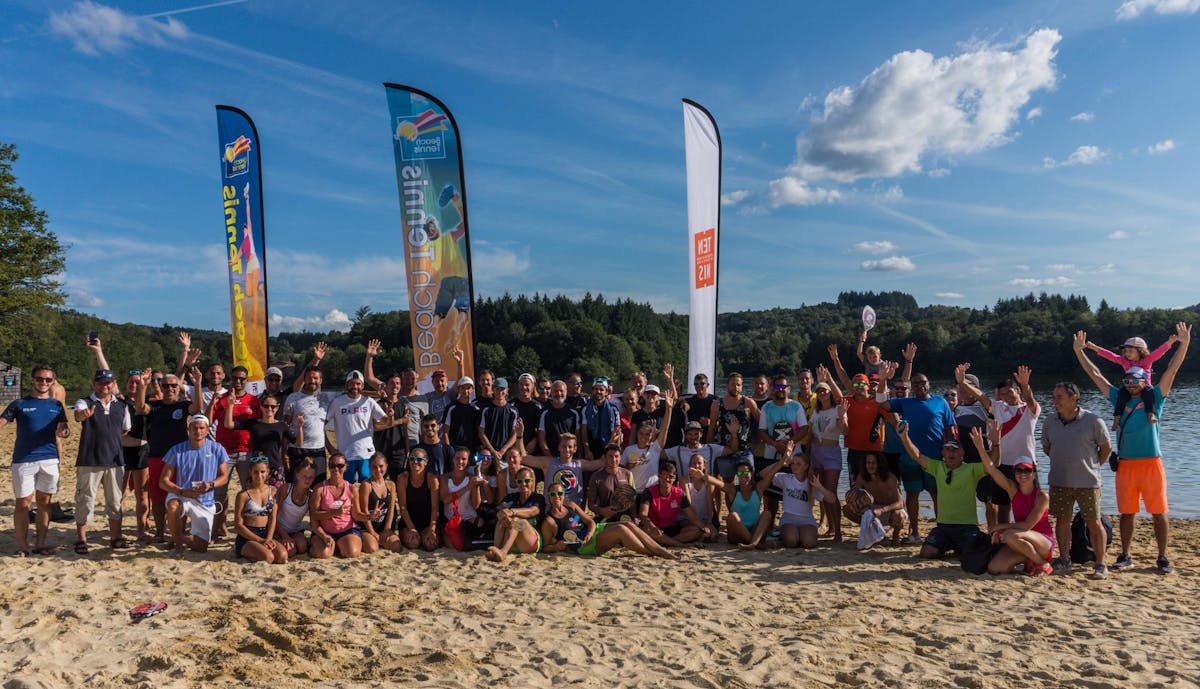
(914, 478)
(357, 470)
(956, 537)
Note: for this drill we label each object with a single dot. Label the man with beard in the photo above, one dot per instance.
(308, 410)
(559, 418)
(602, 417)
(528, 409)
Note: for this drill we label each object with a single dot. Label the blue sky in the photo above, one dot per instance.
(960, 152)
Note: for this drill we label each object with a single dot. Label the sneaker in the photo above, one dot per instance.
(1062, 565)
(1123, 562)
(1100, 571)
(914, 539)
(1165, 566)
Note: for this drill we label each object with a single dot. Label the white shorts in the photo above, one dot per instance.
(41, 476)
(797, 520)
(201, 517)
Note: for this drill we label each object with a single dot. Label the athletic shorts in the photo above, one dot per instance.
(914, 478)
(41, 476)
(589, 549)
(855, 459)
(796, 520)
(200, 516)
(352, 531)
(825, 457)
(1063, 501)
(155, 465)
(357, 470)
(135, 457)
(987, 490)
(453, 292)
(893, 462)
(240, 542)
(948, 537)
(1141, 480)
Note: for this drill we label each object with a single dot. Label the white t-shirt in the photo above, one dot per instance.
(825, 424)
(1017, 440)
(315, 409)
(351, 420)
(643, 464)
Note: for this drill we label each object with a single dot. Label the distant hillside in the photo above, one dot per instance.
(557, 335)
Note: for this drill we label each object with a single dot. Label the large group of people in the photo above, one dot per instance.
(544, 466)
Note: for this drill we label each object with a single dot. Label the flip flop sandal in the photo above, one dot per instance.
(21, 553)
(119, 543)
(81, 547)
(141, 612)
(45, 550)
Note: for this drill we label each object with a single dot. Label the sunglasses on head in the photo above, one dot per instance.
(259, 459)
(135, 371)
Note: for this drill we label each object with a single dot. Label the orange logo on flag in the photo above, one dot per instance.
(706, 258)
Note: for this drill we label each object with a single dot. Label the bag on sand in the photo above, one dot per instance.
(454, 530)
(978, 553)
(1081, 539)
(870, 531)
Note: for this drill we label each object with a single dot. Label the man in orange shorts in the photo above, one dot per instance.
(1140, 475)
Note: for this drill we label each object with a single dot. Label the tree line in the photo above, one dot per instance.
(592, 336)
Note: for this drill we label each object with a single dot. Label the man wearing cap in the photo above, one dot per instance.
(1077, 443)
(499, 423)
(970, 413)
(602, 417)
(40, 420)
(355, 417)
(308, 410)
(442, 394)
(192, 470)
(1140, 474)
(693, 435)
(461, 422)
(100, 462)
(957, 525)
(558, 418)
(273, 380)
(701, 407)
(528, 409)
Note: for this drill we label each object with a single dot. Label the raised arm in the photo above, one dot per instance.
(960, 377)
(197, 379)
(862, 340)
(1184, 332)
(185, 341)
(989, 464)
(368, 368)
(1022, 375)
(1089, 368)
(318, 355)
(671, 396)
(98, 350)
(902, 431)
(837, 366)
(909, 353)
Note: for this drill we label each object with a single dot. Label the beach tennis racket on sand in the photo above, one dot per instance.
(623, 497)
(141, 612)
(868, 318)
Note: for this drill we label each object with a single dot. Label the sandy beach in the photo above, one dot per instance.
(718, 618)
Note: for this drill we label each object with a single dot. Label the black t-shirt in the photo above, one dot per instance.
(393, 441)
(675, 430)
(531, 414)
(498, 423)
(968, 416)
(577, 401)
(700, 409)
(642, 416)
(462, 424)
(556, 422)
(266, 439)
(166, 426)
(513, 501)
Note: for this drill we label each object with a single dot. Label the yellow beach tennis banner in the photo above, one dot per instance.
(433, 212)
(241, 202)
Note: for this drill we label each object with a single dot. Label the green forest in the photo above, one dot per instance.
(592, 336)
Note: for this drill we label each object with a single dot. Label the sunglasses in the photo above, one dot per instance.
(43, 379)
(858, 385)
(555, 493)
(485, 456)
(238, 378)
(1131, 381)
(170, 385)
(274, 378)
(782, 387)
(951, 394)
(418, 458)
(524, 481)
(546, 387)
(270, 406)
(1022, 471)
(743, 473)
(576, 382)
(337, 466)
(901, 388)
(949, 475)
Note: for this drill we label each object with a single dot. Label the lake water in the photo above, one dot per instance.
(1180, 426)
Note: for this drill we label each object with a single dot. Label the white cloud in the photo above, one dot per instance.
(1106, 268)
(1033, 113)
(491, 262)
(1133, 8)
(894, 193)
(796, 192)
(1083, 117)
(1021, 267)
(1118, 234)
(83, 298)
(1084, 155)
(916, 106)
(333, 320)
(1060, 281)
(95, 28)
(1060, 267)
(733, 198)
(939, 172)
(880, 247)
(1161, 147)
(948, 295)
(889, 264)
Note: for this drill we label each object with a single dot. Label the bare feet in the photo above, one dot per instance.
(494, 554)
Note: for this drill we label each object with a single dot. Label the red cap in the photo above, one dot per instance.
(861, 378)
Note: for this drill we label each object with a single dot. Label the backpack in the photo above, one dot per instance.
(1081, 539)
(977, 553)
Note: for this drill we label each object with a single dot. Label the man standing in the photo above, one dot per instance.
(701, 407)
(930, 420)
(101, 461)
(781, 421)
(192, 470)
(274, 384)
(1077, 443)
(602, 417)
(558, 418)
(40, 420)
(438, 452)
(499, 424)
(808, 401)
(1140, 474)
(460, 424)
(355, 418)
(529, 409)
(307, 409)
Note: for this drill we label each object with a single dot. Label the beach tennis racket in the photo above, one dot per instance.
(141, 612)
(623, 497)
(868, 318)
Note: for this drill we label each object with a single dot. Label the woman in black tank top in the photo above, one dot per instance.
(417, 504)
